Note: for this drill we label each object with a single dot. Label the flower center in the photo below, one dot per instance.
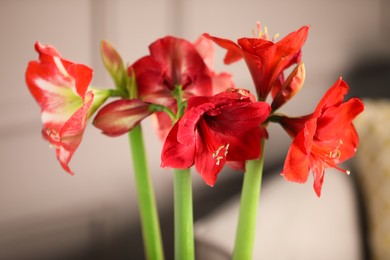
(328, 150)
(335, 153)
(263, 34)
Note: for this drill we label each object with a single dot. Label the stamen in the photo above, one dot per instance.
(226, 149)
(335, 154)
(275, 36)
(217, 156)
(265, 34)
(258, 25)
(260, 34)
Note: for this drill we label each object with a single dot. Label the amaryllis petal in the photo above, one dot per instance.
(348, 149)
(233, 118)
(69, 137)
(343, 114)
(210, 157)
(220, 81)
(334, 96)
(233, 53)
(189, 121)
(205, 48)
(149, 75)
(176, 154)
(60, 87)
(296, 167)
(119, 117)
(322, 139)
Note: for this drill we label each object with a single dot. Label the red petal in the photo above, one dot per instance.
(205, 48)
(337, 118)
(350, 142)
(240, 117)
(293, 125)
(210, 154)
(83, 76)
(71, 133)
(175, 154)
(233, 53)
(189, 121)
(149, 76)
(243, 146)
(318, 169)
(296, 166)
(236, 165)
(334, 96)
(46, 51)
(222, 82)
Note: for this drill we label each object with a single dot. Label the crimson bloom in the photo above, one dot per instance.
(215, 130)
(265, 59)
(323, 139)
(175, 67)
(61, 89)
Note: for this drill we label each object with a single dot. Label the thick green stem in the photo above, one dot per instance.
(149, 217)
(250, 195)
(184, 227)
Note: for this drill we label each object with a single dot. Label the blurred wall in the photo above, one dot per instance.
(35, 191)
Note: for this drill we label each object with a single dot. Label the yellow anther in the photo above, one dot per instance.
(216, 155)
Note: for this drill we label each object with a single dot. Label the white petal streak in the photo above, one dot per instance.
(60, 66)
(48, 86)
(58, 118)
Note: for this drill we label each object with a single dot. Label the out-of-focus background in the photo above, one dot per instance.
(47, 214)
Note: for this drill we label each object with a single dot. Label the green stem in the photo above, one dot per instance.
(149, 217)
(184, 228)
(250, 195)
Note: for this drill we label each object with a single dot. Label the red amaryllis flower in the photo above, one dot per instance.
(265, 59)
(173, 63)
(215, 130)
(323, 139)
(61, 89)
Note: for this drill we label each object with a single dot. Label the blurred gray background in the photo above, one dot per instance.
(44, 212)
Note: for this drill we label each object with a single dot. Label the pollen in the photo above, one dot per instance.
(220, 153)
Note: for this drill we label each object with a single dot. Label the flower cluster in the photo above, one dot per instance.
(201, 117)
